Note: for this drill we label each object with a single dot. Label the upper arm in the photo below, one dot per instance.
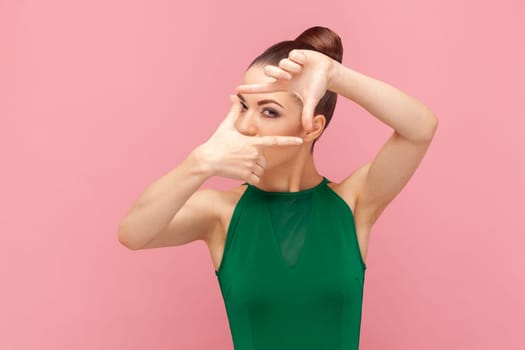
(378, 182)
(197, 219)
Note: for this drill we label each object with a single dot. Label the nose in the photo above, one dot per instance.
(247, 123)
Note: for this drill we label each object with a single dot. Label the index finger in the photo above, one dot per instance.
(261, 87)
(277, 140)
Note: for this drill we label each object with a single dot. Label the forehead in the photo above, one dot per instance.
(255, 75)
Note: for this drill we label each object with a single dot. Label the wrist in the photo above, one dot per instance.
(334, 72)
(199, 162)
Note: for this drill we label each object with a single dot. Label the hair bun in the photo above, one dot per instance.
(324, 40)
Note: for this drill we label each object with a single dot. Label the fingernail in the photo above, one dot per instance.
(297, 55)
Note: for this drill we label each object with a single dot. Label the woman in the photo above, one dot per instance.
(288, 245)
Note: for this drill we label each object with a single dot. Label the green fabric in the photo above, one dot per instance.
(292, 274)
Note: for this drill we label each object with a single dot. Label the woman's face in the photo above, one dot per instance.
(270, 114)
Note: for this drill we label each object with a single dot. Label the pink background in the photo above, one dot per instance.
(100, 98)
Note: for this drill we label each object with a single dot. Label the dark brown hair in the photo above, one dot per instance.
(321, 39)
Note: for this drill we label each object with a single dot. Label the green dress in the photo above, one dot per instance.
(292, 274)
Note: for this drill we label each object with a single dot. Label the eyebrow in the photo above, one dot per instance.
(261, 102)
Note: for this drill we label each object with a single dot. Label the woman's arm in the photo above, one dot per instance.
(155, 208)
(408, 116)
(382, 179)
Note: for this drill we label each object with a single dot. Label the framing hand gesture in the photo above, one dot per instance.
(306, 73)
(229, 153)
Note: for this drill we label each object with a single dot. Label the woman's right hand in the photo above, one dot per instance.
(228, 153)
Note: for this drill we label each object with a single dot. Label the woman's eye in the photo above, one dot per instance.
(274, 113)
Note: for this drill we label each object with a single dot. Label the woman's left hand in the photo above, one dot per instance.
(306, 73)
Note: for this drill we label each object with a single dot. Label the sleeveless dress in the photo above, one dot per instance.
(292, 274)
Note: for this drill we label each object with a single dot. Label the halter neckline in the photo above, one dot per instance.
(301, 192)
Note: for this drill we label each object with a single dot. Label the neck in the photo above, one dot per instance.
(296, 175)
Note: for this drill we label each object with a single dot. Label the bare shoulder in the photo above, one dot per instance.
(220, 203)
(345, 192)
(348, 190)
(225, 202)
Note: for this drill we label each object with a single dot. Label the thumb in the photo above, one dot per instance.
(233, 114)
(307, 114)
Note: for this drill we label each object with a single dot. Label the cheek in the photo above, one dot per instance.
(281, 128)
